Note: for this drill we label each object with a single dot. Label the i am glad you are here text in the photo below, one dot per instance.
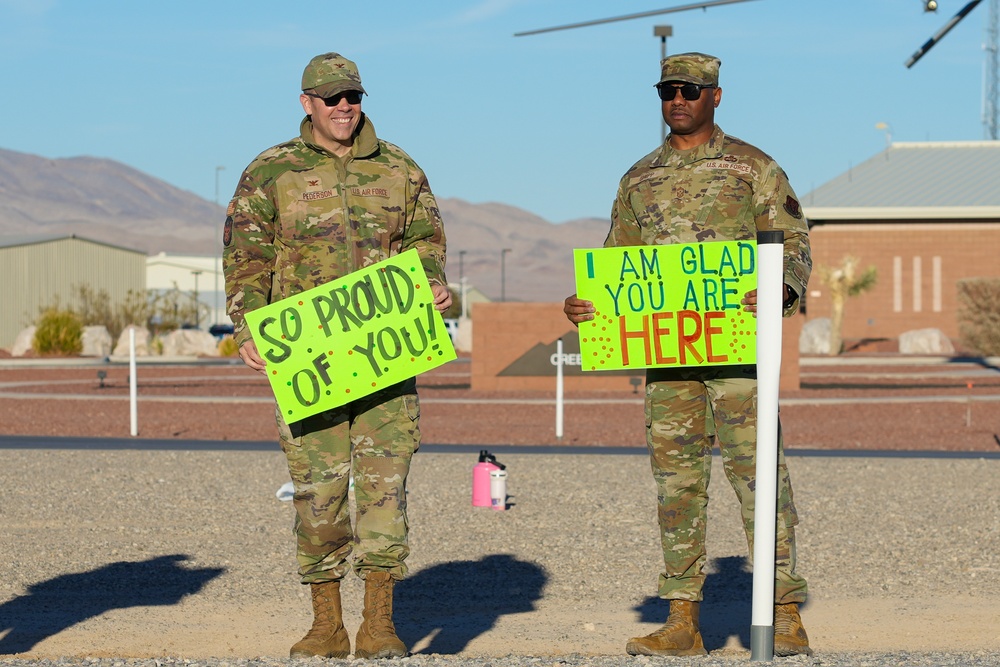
(667, 305)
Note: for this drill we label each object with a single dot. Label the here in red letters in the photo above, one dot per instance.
(683, 337)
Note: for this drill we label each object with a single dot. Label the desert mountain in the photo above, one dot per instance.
(111, 202)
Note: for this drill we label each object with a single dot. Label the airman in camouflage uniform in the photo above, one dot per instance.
(333, 200)
(703, 185)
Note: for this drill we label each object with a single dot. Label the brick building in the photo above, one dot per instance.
(925, 215)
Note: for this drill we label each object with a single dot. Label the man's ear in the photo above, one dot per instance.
(306, 103)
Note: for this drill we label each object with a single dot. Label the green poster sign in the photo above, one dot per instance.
(350, 337)
(667, 305)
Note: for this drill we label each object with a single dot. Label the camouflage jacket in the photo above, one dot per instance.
(302, 217)
(723, 190)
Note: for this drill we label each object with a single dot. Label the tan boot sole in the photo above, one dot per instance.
(790, 650)
(384, 653)
(635, 648)
(308, 654)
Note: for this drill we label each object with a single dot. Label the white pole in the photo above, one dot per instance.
(770, 263)
(133, 409)
(559, 388)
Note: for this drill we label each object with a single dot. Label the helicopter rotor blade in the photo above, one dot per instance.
(698, 5)
(941, 33)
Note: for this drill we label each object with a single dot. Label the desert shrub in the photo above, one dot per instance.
(59, 332)
(156, 346)
(158, 310)
(94, 307)
(173, 308)
(844, 282)
(979, 315)
(228, 348)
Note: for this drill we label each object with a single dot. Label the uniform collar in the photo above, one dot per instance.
(670, 156)
(365, 142)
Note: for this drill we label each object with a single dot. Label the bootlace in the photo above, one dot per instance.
(784, 621)
(674, 622)
(324, 606)
(382, 606)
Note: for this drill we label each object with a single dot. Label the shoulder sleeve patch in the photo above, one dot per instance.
(227, 231)
(792, 208)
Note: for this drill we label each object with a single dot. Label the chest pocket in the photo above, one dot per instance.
(377, 211)
(310, 209)
(693, 206)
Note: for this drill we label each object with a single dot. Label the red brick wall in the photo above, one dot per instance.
(503, 332)
(918, 265)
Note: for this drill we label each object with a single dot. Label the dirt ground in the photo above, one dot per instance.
(870, 403)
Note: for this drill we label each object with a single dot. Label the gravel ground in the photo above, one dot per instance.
(170, 557)
(859, 659)
(137, 554)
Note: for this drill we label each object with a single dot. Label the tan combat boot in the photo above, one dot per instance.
(327, 637)
(789, 635)
(377, 635)
(678, 636)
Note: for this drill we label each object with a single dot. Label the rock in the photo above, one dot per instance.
(815, 336)
(23, 342)
(142, 337)
(96, 341)
(925, 341)
(190, 342)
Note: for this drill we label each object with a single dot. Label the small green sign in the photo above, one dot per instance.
(350, 337)
(667, 305)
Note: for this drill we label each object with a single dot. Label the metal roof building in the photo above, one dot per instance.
(38, 271)
(926, 216)
(907, 181)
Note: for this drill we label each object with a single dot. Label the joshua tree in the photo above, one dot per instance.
(843, 283)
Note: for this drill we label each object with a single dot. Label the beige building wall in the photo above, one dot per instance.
(38, 274)
(918, 265)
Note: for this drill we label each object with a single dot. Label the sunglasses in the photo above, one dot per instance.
(689, 91)
(352, 97)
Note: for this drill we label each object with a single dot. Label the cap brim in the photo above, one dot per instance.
(331, 89)
(685, 78)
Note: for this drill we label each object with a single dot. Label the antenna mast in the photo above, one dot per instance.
(992, 72)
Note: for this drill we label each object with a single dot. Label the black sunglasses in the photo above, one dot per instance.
(352, 97)
(689, 91)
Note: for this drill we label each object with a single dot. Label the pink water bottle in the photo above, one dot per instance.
(481, 479)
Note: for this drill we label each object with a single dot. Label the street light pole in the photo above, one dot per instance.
(217, 268)
(503, 274)
(663, 31)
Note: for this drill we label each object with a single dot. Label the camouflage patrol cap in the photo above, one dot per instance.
(331, 73)
(696, 68)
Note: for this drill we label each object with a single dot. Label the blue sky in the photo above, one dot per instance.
(547, 123)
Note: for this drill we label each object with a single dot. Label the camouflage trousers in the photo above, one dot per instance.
(684, 408)
(371, 439)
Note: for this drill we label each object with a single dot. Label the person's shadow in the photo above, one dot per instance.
(727, 607)
(51, 606)
(451, 604)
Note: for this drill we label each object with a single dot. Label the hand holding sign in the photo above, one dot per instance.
(665, 305)
(351, 337)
